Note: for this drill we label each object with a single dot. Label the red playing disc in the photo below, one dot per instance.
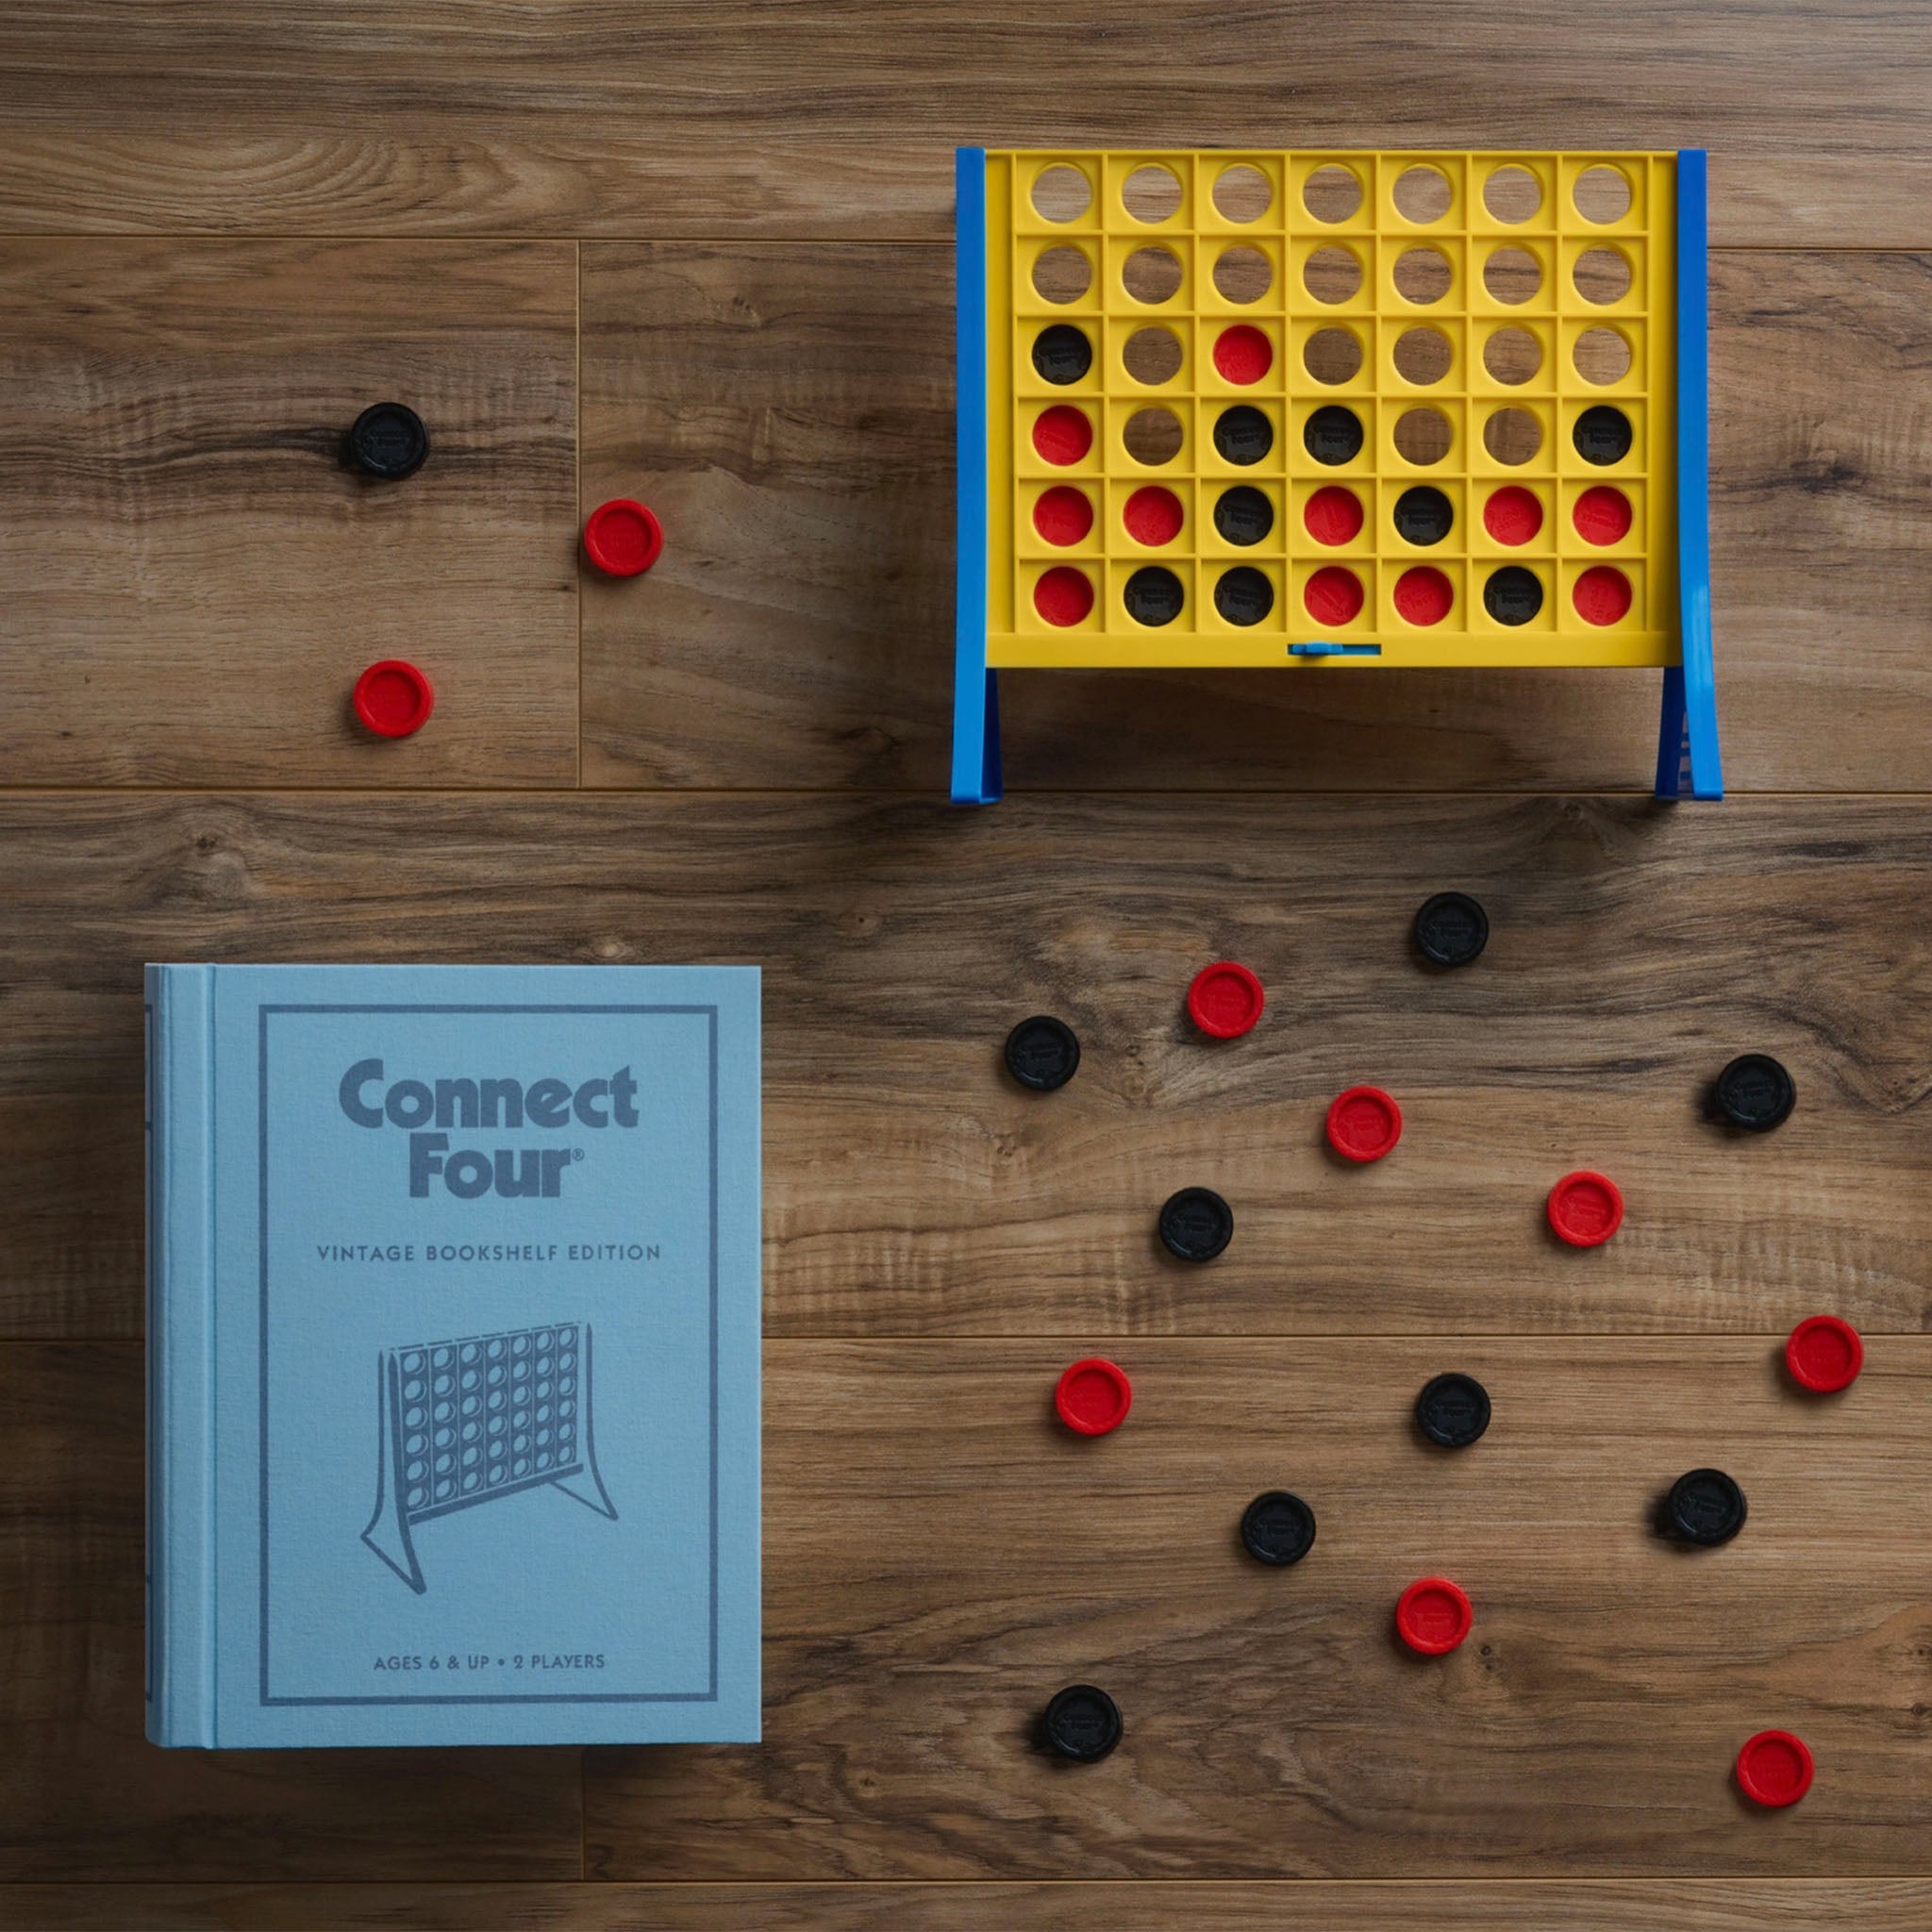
(1064, 595)
(1775, 1768)
(1153, 515)
(1063, 515)
(1586, 1208)
(1433, 1616)
(1824, 1354)
(1513, 514)
(1224, 1000)
(394, 699)
(1333, 595)
(1364, 1123)
(1602, 514)
(1062, 434)
(1424, 594)
(1602, 595)
(622, 538)
(1333, 514)
(1243, 354)
(1093, 1396)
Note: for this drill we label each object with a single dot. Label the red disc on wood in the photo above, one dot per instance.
(1824, 1354)
(1775, 1768)
(1093, 1396)
(1433, 1616)
(1586, 1208)
(1225, 999)
(1364, 1123)
(394, 698)
(622, 538)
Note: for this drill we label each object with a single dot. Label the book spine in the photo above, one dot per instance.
(180, 1360)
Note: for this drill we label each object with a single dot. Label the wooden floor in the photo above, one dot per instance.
(699, 252)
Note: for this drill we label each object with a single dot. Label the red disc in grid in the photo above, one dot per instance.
(1333, 595)
(1513, 514)
(1243, 354)
(1586, 1208)
(1364, 1123)
(1064, 595)
(1093, 1396)
(1775, 1768)
(1602, 514)
(1224, 1000)
(1824, 1354)
(1062, 434)
(1433, 1616)
(1423, 595)
(1334, 515)
(1063, 515)
(1153, 515)
(1602, 595)
(394, 698)
(623, 538)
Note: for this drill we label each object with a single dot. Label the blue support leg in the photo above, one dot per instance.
(976, 690)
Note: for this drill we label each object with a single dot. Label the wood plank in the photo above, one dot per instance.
(941, 1558)
(83, 1793)
(788, 409)
(193, 577)
(1897, 1905)
(727, 118)
(911, 1189)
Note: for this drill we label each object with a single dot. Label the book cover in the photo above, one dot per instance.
(452, 1348)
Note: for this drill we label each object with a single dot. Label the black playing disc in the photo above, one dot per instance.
(1756, 1093)
(1195, 1224)
(1424, 514)
(1513, 594)
(1062, 353)
(1082, 1723)
(1042, 1053)
(1333, 434)
(1243, 514)
(1278, 1529)
(1602, 435)
(1243, 434)
(1243, 595)
(1453, 1410)
(388, 440)
(1451, 929)
(1705, 1507)
(1154, 595)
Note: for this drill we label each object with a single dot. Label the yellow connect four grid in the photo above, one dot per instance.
(1418, 405)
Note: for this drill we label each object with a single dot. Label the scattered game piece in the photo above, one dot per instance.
(1042, 1053)
(1755, 1092)
(394, 699)
(1278, 1529)
(1195, 1224)
(622, 538)
(1433, 1616)
(1320, 506)
(1705, 1507)
(1364, 1123)
(1092, 1396)
(1824, 1354)
(1586, 1208)
(388, 440)
(1224, 1000)
(1451, 929)
(1453, 1410)
(1775, 1768)
(1082, 1723)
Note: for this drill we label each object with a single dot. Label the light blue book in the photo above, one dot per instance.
(452, 1354)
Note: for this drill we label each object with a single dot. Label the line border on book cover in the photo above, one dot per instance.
(263, 1010)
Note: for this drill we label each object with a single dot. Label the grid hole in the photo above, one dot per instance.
(1423, 275)
(1332, 274)
(1062, 274)
(1332, 355)
(1152, 275)
(1601, 275)
(1512, 436)
(1422, 436)
(1152, 193)
(1422, 194)
(1512, 194)
(1243, 274)
(1151, 356)
(1601, 356)
(1512, 354)
(1422, 355)
(1242, 193)
(1062, 194)
(1153, 436)
(1512, 274)
(1332, 193)
(1601, 195)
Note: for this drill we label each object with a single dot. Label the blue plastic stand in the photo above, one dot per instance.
(976, 689)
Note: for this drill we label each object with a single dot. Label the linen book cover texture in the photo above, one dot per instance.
(452, 1354)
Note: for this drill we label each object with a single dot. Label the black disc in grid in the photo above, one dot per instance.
(1333, 434)
(1244, 594)
(1602, 435)
(1423, 515)
(1513, 594)
(1243, 514)
(1154, 595)
(1243, 434)
(1062, 354)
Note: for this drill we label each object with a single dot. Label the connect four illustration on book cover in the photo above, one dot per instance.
(1317, 413)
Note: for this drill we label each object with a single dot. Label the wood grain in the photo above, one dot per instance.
(725, 117)
(912, 1189)
(193, 577)
(940, 1556)
(1897, 1905)
(83, 1794)
(789, 411)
